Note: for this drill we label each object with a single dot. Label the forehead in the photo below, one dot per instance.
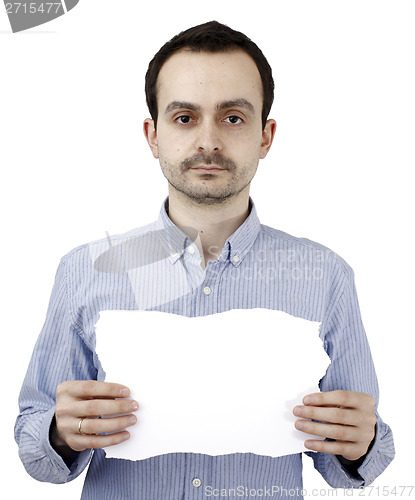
(206, 78)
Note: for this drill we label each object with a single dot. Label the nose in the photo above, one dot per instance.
(208, 138)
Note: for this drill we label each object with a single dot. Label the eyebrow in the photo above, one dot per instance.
(234, 103)
(181, 105)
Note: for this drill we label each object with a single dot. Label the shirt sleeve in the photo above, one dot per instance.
(351, 369)
(59, 355)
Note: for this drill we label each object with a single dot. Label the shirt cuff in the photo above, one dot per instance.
(361, 470)
(60, 470)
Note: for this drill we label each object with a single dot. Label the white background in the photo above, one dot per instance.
(74, 164)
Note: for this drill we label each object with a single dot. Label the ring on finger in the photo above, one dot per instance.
(80, 428)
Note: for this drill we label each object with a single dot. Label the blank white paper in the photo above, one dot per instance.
(218, 384)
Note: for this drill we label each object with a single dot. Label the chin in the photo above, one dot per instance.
(209, 198)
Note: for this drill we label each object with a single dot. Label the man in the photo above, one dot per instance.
(209, 92)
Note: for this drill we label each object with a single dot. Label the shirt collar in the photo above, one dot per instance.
(236, 246)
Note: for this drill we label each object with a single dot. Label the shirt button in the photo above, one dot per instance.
(235, 258)
(196, 482)
(207, 290)
(191, 250)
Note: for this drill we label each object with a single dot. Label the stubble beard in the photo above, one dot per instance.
(207, 194)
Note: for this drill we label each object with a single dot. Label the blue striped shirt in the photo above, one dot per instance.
(157, 267)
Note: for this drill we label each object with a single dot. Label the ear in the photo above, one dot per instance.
(151, 136)
(267, 137)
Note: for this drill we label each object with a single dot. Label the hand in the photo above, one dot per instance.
(348, 417)
(88, 400)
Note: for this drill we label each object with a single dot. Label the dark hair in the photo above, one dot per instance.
(209, 37)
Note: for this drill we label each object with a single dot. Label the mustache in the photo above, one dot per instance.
(220, 161)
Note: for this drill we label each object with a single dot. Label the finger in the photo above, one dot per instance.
(334, 415)
(101, 425)
(84, 389)
(79, 443)
(332, 431)
(345, 449)
(97, 407)
(346, 399)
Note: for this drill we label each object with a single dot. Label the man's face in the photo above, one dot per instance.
(209, 136)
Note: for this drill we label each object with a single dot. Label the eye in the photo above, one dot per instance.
(183, 119)
(234, 120)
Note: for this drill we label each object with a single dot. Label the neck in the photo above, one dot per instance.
(214, 223)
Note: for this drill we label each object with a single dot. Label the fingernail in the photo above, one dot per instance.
(298, 410)
(124, 392)
(134, 405)
(299, 424)
(132, 420)
(307, 400)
